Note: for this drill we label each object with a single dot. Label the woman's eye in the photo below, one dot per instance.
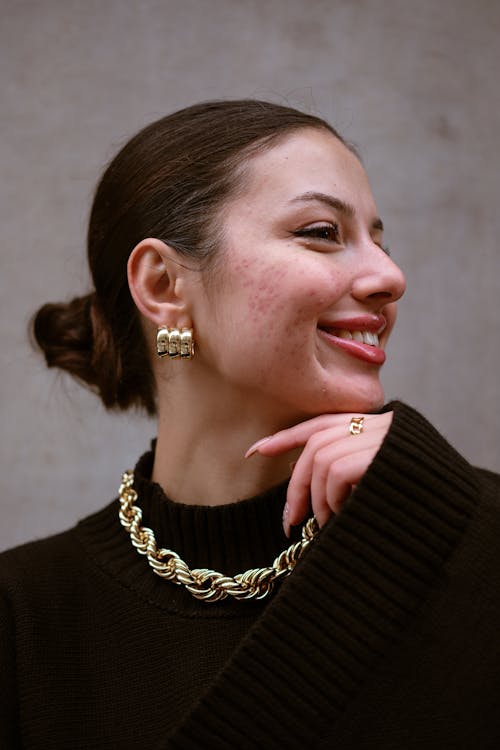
(327, 232)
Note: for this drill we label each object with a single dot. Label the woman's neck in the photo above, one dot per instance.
(201, 446)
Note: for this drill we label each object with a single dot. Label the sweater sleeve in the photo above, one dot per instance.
(9, 724)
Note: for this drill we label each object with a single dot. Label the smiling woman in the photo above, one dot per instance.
(242, 293)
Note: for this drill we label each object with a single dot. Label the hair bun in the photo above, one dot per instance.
(63, 331)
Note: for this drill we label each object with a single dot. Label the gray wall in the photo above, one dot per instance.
(415, 84)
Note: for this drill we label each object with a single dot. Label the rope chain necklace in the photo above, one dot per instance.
(202, 583)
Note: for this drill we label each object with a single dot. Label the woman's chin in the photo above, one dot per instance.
(362, 400)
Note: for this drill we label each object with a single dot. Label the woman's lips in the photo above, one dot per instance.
(363, 345)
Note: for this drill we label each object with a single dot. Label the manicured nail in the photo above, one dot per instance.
(286, 523)
(255, 447)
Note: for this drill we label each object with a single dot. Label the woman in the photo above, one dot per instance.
(243, 293)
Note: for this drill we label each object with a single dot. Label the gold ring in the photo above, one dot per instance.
(356, 425)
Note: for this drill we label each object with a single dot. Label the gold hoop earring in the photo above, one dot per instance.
(175, 343)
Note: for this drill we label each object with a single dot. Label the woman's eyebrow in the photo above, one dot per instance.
(339, 205)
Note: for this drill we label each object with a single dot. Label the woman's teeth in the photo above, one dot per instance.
(364, 337)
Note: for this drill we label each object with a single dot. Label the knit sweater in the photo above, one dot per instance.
(386, 635)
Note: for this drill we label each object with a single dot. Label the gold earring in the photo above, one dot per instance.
(162, 341)
(175, 343)
(187, 343)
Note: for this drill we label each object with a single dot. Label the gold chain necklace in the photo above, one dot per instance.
(203, 583)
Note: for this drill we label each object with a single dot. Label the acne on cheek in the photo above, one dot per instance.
(264, 297)
(317, 301)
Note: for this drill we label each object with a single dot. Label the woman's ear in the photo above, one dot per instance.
(157, 282)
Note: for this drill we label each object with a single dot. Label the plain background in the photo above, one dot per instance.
(414, 84)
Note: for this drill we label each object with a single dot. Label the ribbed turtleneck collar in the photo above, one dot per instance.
(228, 538)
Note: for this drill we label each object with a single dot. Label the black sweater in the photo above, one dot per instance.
(387, 634)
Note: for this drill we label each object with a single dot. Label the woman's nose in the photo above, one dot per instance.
(380, 278)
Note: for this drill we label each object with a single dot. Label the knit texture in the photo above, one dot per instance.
(385, 636)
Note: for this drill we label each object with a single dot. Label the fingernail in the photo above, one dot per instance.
(286, 523)
(255, 447)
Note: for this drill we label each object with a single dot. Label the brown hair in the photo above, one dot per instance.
(170, 182)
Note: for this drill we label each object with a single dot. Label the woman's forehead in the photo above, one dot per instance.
(304, 163)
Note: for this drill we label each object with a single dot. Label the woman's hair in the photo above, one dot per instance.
(170, 181)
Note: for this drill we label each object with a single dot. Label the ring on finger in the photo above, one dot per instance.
(356, 425)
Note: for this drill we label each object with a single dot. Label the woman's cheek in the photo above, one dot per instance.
(390, 312)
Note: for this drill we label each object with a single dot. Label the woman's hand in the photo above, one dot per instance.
(331, 464)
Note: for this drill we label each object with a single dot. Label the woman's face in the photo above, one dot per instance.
(297, 320)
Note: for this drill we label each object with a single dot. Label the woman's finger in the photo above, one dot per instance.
(321, 480)
(312, 468)
(298, 435)
(329, 466)
(339, 484)
(299, 488)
